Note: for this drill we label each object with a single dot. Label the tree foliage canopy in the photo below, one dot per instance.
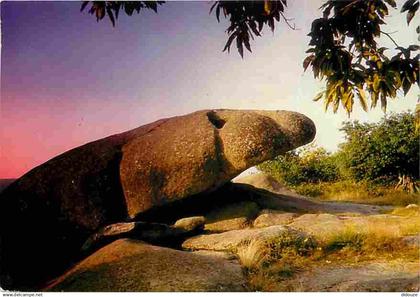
(343, 48)
(344, 51)
(309, 165)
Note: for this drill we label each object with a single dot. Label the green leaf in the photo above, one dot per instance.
(410, 16)
(318, 96)
(376, 82)
(110, 15)
(383, 102)
(412, 8)
(362, 98)
(374, 96)
(218, 13)
(239, 45)
(84, 4)
(406, 86)
(414, 47)
(407, 5)
(308, 61)
(247, 45)
(229, 41)
(391, 3)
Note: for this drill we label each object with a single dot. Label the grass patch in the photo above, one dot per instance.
(348, 238)
(410, 211)
(256, 252)
(358, 192)
(252, 254)
(265, 262)
(375, 236)
(272, 266)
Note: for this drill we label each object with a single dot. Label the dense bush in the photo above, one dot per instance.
(309, 165)
(379, 153)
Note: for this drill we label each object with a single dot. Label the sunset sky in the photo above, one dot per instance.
(67, 80)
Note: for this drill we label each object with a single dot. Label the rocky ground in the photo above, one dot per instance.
(278, 241)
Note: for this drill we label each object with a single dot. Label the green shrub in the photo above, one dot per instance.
(370, 160)
(309, 165)
(382, 151)
(367, 193)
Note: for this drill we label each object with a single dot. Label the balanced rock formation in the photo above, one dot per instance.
(47, 215)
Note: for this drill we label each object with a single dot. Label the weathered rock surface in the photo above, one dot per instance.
(264, 181)
(325, 226)
(211, 148)
(271, 218)
(63, 201)
(150, 232)
(190, 224)
(231, 240)
(134, 266)
(390, 276)
(231, 217)
(228, 224)
(319, 225)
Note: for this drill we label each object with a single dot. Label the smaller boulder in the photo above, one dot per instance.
(228, 225)
(231, 240)
(321, 226)
(190, 224)
(272, 218)
(231, 217)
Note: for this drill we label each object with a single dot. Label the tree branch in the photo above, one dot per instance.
(287, 22)
(390, 37)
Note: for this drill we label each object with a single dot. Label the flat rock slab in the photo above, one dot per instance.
(319, 225)
(393, 276)
(133, 266)
(224, 255)
(323, 226)
(190, 223)
(232, 216)
(229, 241)
(272, 218)
(227, 225)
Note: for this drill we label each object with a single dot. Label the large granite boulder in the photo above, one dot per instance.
(201, 151)
(46, 215)
(133, 266)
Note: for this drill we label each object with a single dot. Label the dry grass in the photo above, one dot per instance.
(411, 210)
(271, 266)
(376, 237)
(365, 193)
(252, 254)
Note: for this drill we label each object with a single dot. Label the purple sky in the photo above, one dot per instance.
(67, 80)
